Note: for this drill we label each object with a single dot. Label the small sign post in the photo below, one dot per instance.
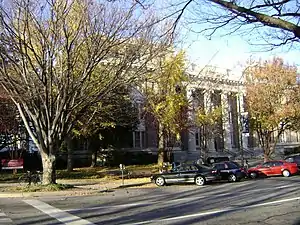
(122, 168)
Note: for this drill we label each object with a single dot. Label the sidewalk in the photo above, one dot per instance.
(81, 187)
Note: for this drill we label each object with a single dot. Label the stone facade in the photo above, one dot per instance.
(229, 137)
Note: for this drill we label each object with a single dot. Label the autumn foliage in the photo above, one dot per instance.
(271, 100)
(8, 114)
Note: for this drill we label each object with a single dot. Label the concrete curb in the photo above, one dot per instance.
(77, 191)
(133, 185)
(47, 193)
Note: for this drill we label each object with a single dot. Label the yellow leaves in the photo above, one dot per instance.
(269, 87)
(271, 72)
(167, 96)
(209, 118)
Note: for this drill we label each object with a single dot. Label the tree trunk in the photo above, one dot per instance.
(161, 154)
(268, 153)
(266, 157)
(94, 158)
(267, 147)
(93, 146)
(49, 173)
(70, 147)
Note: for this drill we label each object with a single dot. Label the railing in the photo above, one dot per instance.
(233, 154)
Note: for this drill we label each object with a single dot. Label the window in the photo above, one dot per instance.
(197, 137)
(220, 166)
(290, 159)
(179, 168)
(232, 165)
(277, 164)
(193, 168)
(267, 164)
(143, 139)
(236, 164)
(137, 139)
(203, 168)
(197, 134)
(297, 159)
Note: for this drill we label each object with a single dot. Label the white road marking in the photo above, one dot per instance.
(228, 209)
(58, 214)
(4, 218)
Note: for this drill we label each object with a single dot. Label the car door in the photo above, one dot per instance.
(172, 176)
(223, 171)
(276, 168)
(235, 169)
(187, 174)
(297, 160)
(265, 168)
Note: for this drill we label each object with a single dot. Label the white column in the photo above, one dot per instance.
(133, 139)
(226, 121)
(207, 106)
(192, 140)
(192, 130)
(241, 110)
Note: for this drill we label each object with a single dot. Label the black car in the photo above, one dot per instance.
(230, 171)
(186, 173)
(295, 158)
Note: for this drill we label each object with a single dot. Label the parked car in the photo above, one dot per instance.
(295, 158)
(230, 171)
(273, 168)
(186, 173)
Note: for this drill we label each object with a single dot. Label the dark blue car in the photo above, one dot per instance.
(230, 171)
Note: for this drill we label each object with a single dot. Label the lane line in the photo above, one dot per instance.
(5, 218)
(217, 211)
(58, 214)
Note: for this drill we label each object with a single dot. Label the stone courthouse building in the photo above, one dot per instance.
(231, 137)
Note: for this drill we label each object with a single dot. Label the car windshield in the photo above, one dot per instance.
(235, 164)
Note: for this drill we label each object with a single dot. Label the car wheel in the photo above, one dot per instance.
(232, 178)
(199, 180)
(160, 181)
(286, 173)
(253, 175)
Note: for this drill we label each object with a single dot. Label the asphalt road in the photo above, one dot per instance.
(265, 201)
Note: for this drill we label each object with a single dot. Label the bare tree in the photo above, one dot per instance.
(275, 21)
(59, 58)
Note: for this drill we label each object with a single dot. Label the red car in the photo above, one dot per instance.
(274, 168)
